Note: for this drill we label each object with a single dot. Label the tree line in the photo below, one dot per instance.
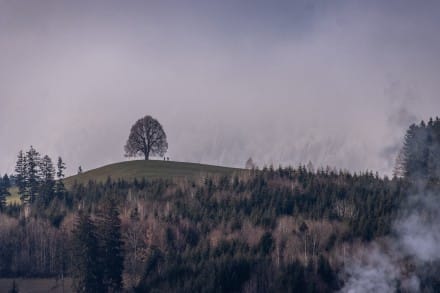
(36, 177)
(419, 157)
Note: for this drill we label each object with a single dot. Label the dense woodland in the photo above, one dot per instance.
(269, 230)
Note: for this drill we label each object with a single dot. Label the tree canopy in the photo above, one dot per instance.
(420, 155)
(146, 138)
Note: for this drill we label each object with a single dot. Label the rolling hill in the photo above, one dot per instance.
(139, 169)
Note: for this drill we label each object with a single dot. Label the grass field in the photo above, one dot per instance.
(38, 285)
(148, 169)
(140, 169)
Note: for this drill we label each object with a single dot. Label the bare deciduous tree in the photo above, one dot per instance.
(147, 137)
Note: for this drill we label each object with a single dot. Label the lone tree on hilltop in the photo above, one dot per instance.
(146, 138)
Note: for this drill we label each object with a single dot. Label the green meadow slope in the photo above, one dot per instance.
(149, 169)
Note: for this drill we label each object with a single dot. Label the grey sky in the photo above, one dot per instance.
(333, 82)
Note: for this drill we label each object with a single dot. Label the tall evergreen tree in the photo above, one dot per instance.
(399, 167)
(86, 265)
(33, 173)
(6, 181)
(111, 246)
(59, 186)
(48, 179)
(21, 175)
(419, 158)
(4, 190)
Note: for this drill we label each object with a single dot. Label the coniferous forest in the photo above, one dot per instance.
(275, 229)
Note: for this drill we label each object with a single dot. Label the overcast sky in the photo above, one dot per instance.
(285, 82)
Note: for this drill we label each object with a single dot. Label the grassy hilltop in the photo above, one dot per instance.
(139, 169)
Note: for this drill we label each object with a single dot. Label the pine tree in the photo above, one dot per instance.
(48, 179)
(111, 246)
(420, 155)
(4, 190)
(21, 177)
(399, 167)
(86, 265)
(2, 196)
(6, 181)
(33, 173)
(60, 190)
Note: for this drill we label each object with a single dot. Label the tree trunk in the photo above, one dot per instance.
(147, 155)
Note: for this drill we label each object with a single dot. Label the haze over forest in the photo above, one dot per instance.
(286, 82)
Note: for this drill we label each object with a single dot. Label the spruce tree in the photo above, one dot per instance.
(86, 262)
(59, 186)
(2, 195)
(6, 181)
(111, 246)
(419, 157)
(33, 173)
(4, 191)
(48, 179)
(21, 175)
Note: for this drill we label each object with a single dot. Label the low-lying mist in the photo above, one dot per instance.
(393, 263)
